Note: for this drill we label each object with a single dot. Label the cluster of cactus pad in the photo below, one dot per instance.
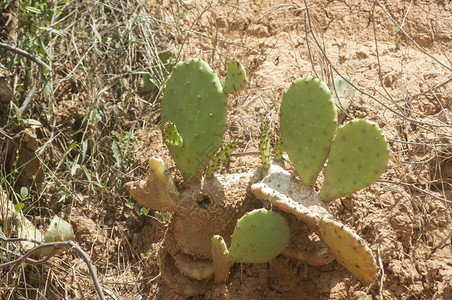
(358, 152)
(193, 121)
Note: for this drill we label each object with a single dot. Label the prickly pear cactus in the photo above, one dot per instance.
(259, 236)
(359, 155)
(308, 123)
(194, 101)
(279, 149)
(171, 136)
(235, 77)
(349, 249)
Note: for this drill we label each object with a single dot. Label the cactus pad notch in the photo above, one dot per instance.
(259, 236)
(194, 101)
(308, 123)
(359, 155)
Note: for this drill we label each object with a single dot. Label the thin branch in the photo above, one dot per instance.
(358, 88)
(410, 38)
(54, 246)
(26, 54)
(414, 187)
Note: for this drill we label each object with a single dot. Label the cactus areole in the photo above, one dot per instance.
(194, 101)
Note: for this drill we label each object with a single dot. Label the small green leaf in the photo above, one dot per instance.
(144, 211)
(29, 122)
(84, 149)
(33, 10)
(130, 205)
(87, 173)
(117, 154)
(24, 192)
(19, 206)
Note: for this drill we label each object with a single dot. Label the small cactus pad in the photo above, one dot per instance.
(259, 236)
(349, 249)
(158, 191)
(343, 93)
(170, 135)
(308, 123)
(279, 149)
(59, 230)
(220, 158)
(359, 155)
(264, 144)
(235, 77)
(199, 269)
(221, 263)
(195, 102)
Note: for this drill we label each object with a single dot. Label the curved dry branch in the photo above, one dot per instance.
(54, 246)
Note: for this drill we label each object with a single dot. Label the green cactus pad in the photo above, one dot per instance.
(343, 93)
(235, 77)
(264, 144)
(359, 155)
(279, 149)
(308, 123)
(195, 102)
(170, 135)
(59, 230)
(349, 249)
(259, 236)
(221, 263)
(220, 158)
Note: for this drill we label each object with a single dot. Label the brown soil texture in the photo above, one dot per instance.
(405, 218)
(409, 231)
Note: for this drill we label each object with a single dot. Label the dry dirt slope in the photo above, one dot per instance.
(409, 230)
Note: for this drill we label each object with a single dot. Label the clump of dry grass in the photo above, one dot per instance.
(88, 111)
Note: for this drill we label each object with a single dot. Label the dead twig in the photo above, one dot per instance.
(38, 81)
(54, 246)
(26, 54)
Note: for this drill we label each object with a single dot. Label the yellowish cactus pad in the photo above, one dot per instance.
(349, 249)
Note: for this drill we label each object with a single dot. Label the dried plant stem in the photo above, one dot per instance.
(26, 54)
(54, 246)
